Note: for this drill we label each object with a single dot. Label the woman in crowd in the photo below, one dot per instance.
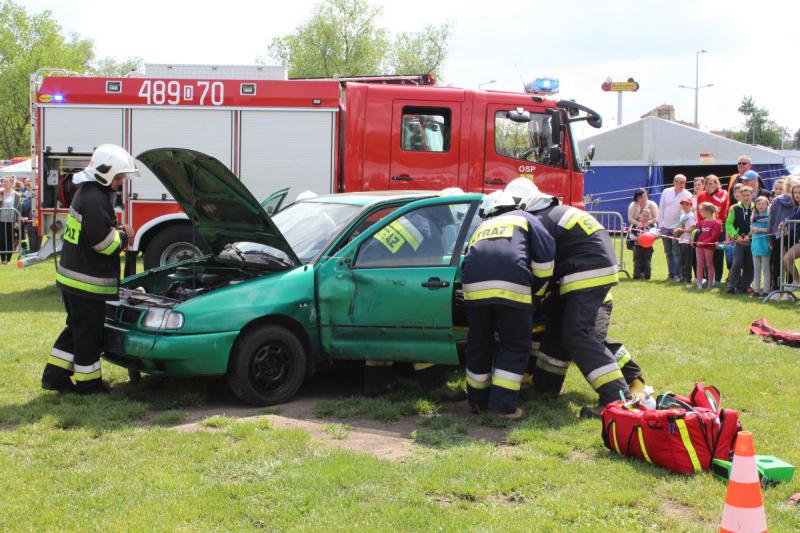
(10, 203)
(715, 195)
(642, 214)
(782, 207)
(792, 233)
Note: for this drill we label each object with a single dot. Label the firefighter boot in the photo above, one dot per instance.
(433, 381)
(378, 378)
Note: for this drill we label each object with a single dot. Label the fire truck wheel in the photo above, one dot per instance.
(267, 366)
(173, 244)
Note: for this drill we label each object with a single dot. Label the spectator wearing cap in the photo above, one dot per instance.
(750, 179)
(686, 226)
(669, 214)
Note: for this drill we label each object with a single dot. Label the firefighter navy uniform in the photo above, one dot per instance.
(508, 264)
(585, 271)
(88, 275)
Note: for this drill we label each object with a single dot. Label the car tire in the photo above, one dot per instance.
(173, 244)
(267, 366)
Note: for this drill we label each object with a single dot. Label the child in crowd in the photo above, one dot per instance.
(642, 254)
(737, 227)
(686, 225)
(708, 231)
(778, 188)
(760, 245)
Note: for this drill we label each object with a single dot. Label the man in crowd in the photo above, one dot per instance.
(669, 215)
(750, 179)
(88, 272)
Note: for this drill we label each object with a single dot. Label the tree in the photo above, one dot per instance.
(759, 128)
(113, 68)
(342, 38)
(28, 43)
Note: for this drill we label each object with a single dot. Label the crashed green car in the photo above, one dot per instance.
(279, 295)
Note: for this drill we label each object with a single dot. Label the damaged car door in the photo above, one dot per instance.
(389, 294)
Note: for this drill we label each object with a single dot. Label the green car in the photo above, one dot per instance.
(356, 276)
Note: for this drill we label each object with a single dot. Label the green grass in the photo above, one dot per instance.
(69, 463)
(337, 431)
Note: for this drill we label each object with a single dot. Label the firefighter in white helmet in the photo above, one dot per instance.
(88, 272)
(508, 264)
(585, 270)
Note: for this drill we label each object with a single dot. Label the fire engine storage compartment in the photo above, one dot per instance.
(649, 153)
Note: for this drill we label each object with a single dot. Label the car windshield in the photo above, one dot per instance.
(309, 226)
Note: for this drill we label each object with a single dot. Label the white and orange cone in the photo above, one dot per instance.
(744, 504)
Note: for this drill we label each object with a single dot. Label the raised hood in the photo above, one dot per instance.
(219, 205)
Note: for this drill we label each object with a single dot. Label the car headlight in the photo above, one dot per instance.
(160, 318)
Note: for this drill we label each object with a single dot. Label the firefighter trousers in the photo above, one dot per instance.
(631, 371)
(493, 382)
(76, 352)
(570, 336)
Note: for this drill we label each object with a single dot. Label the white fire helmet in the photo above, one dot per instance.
(107, 161)
(494, 201)
(521, 189)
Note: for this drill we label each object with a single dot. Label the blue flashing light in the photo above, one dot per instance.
(543, 86)
(58, 97)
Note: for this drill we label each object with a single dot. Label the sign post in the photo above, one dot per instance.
(620, 87)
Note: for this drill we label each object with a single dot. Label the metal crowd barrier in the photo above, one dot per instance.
(617, 231)
(16, 218)
(789, 279)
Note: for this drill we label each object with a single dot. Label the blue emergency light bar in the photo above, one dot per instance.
(542, 86)
(58, 97)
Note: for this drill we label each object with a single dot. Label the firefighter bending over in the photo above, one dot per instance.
(508, 264)
(88, 272)
(585, 270)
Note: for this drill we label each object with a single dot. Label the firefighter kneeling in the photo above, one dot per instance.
(88, 273)
(508, 264)
(585, 271)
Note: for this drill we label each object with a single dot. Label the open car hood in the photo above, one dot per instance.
(214, 199)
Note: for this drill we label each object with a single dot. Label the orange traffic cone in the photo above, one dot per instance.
(744, 505)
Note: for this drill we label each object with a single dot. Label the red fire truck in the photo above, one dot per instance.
(326, 136)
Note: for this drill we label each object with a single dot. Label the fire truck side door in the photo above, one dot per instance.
(425, 145)
(519, 149)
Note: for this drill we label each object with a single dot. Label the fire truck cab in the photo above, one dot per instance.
(326, 136)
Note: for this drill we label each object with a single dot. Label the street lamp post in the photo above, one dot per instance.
(697, 86)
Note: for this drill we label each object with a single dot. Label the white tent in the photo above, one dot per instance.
(20, 170)
(653, 141)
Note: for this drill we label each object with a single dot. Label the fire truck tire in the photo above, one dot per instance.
(267, 366)
(173, 244)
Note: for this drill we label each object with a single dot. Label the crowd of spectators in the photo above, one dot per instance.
(15, 215)
(709, 230)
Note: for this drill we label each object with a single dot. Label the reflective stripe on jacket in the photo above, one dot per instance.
(89, 263)
(584, 255)
(509, 261)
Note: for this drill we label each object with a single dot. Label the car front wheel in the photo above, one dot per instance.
(267, 367)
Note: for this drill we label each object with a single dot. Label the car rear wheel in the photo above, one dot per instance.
(173, 244)
(267, 366)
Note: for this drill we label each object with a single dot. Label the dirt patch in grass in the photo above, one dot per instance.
(579, 456)
(677, 510)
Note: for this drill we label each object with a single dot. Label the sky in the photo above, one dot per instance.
(752, 47)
